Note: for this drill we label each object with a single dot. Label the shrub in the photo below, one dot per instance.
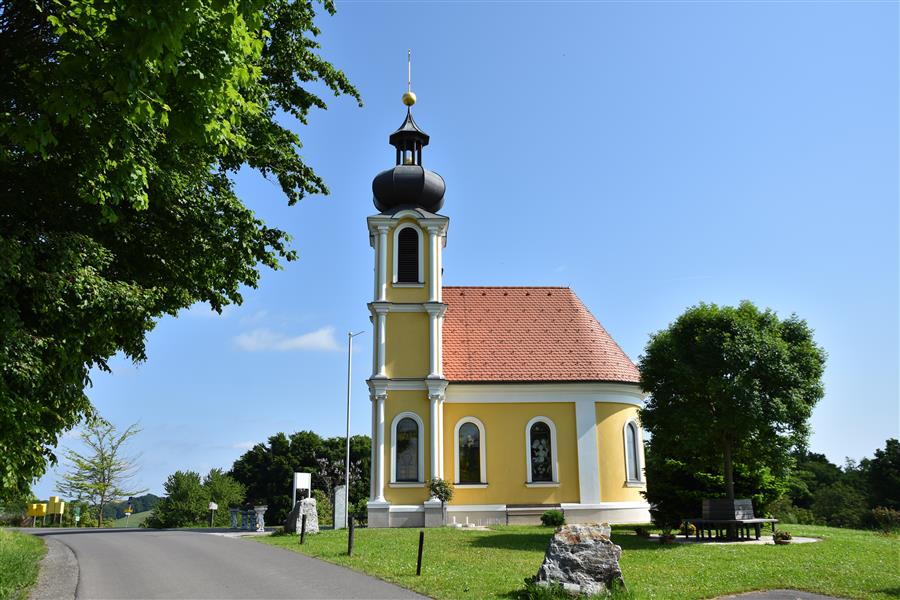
(887, 519)
(360, 512)
(553, 518)
(642, 532)
(839, 505)
(324, 509)
(688, 528)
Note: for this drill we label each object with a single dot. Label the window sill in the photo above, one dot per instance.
(470, 485)
(408, 285)
(635, 484)
(540, 484)
(406, 484)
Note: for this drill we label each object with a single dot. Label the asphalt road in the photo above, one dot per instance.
(146, 563)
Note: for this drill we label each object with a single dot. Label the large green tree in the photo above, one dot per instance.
(267, 469)
(120, 124)
(730, 385)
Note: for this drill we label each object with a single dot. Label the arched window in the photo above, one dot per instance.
(408, 255)
(470, 452)
(407, 450)
(540, 450)
(632, 452)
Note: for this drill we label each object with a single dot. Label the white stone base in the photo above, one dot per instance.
(429, 514)
(609, 512)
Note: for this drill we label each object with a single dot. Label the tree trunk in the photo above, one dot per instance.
(729, 473)
(100, 517)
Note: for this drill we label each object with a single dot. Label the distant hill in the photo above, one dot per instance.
(140, 504)
(134, 520)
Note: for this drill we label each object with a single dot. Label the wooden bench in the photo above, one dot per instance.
(735, 519)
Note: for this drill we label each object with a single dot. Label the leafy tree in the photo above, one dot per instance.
(883, 476)
(731, 385)
(185, 505)
(443, 491)
(267, 470)
(187, 500)
(840, 505)
(101, 475)
(120, 125)
(225, 491)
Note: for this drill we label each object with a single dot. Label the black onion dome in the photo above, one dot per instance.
(408, 183)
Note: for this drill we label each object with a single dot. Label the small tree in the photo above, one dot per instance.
(224, 491)
(443, 491)
(185, 504)
(102, 475)
(731, 384)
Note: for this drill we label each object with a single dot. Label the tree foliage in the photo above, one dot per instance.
(731, 385)
(102, 474)
(187, 500)
(120, 124)
(267, 470)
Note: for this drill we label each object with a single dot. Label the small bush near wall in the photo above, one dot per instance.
(553, 518)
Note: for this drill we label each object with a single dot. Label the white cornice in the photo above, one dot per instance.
(437, 308)
(545, 392)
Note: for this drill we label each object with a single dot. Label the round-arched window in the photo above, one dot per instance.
(407, 450)
(541, 452)
(469, 453)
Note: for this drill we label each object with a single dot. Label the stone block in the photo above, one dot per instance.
(583, 559)
(294, 520)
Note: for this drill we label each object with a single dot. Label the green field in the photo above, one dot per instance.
(494, 564)
(20, 557)
(134, 520)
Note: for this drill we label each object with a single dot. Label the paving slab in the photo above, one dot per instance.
(781, 595)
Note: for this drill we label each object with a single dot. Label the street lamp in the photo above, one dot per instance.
(350, 337)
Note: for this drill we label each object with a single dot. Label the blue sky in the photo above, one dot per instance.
(650, 155)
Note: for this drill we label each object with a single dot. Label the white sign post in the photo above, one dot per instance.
(302, 481)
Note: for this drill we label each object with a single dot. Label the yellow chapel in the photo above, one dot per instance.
(516, 396)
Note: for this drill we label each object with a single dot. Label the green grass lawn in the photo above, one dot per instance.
(494, 564)
(20, 557)
(134, 520)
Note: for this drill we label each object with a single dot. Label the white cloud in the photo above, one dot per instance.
(265, 339)
(243, 445)
(255, 318)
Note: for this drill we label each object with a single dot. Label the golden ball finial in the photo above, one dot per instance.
(409, 98)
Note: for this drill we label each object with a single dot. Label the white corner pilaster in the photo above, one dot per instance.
(379, 431)
(588, 453)
(434, 427)
(435, 339)
(381, 337)
(434, 253)
(382, 263)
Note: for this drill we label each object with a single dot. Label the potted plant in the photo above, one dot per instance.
(443, 491)
(781, 537)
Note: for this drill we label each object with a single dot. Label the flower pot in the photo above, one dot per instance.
(782, 542)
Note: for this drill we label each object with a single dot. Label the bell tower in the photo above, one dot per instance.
(407, 384)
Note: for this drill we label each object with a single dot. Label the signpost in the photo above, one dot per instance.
(76, 512)
(212, 513)
(302, 481)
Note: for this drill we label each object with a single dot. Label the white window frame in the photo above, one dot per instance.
(482, 446)
(638, 444)
(421, 274)
(420, 477)
(554, 458)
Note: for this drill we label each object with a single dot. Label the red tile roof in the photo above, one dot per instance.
(504, 334)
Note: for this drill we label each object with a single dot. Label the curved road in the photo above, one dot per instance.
(147, 563)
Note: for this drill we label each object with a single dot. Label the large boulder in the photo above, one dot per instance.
(306, 506)
(583, 559)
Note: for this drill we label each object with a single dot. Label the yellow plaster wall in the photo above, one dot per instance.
(504, 426)
(407, 294)
(396, 403)
(406, 345)
(611, 419)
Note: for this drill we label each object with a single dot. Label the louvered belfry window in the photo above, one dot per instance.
(408, 256)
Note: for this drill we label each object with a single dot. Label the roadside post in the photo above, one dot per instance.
(303, 528)
(212, 513)
(419, 560)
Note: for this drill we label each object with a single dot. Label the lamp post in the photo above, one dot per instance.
(350, 337)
